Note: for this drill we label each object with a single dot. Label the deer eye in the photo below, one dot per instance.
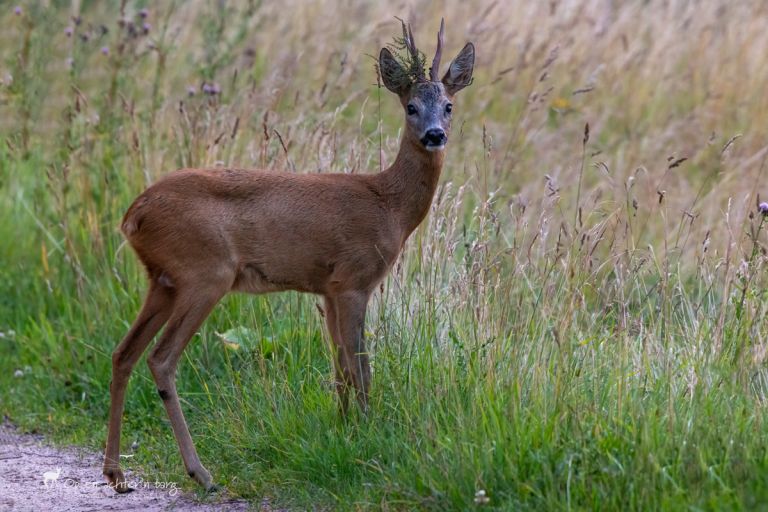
(449, 108)
(411, 110)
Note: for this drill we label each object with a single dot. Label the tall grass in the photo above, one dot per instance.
(579, 324)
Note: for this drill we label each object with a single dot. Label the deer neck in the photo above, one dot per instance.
(410, 183)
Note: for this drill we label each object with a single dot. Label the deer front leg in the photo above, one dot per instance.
(343, 380)
(352, 356)
(189, 313)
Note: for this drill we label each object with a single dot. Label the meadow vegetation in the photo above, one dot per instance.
(578, 324)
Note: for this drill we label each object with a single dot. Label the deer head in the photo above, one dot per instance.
(428, 103)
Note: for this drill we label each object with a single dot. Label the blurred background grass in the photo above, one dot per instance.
(579, 324)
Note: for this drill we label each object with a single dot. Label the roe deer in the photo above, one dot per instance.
(202, 233)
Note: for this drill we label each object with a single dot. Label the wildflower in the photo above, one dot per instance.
(481, 498)
(18, 373)
(69, 62)
(763, 208)
(146, 27)
(105, 50)
(560, 103)
(144, 13)
(743, 271)
(17, 10)
(211, 89)
(69, 31)
(191, 90)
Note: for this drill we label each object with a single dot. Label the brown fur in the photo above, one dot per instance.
(203, 233)
(274, 231)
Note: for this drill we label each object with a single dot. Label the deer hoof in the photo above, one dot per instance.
(116, 480)
(202, 477)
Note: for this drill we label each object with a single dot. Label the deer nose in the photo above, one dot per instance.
(434, 137)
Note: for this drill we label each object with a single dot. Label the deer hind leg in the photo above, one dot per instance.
(190, 310)
(352, 357)
(154, 313)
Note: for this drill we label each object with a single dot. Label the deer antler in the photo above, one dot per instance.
(434, 71)
(410, 46)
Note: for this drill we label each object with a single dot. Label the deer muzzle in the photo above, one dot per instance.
(434, 139)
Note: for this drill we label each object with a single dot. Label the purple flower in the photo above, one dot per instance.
(143, 13)
(763, 208)
(17, 10)
(211, 89)
(105, 50)
(69, 31)
(191, 90)
(146, 27)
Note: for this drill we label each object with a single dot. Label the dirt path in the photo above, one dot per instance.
(29, 481)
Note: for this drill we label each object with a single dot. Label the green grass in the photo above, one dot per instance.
(561, 350)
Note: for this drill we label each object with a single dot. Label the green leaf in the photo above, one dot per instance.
(247, 339)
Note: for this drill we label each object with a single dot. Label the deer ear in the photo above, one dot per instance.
(459, 74)
(393, 75)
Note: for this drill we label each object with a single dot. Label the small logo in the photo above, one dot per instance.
(51, 476)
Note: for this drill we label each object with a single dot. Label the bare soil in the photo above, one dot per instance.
(35, 476)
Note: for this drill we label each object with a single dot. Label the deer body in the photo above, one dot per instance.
(268, 231)
(204, 233)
